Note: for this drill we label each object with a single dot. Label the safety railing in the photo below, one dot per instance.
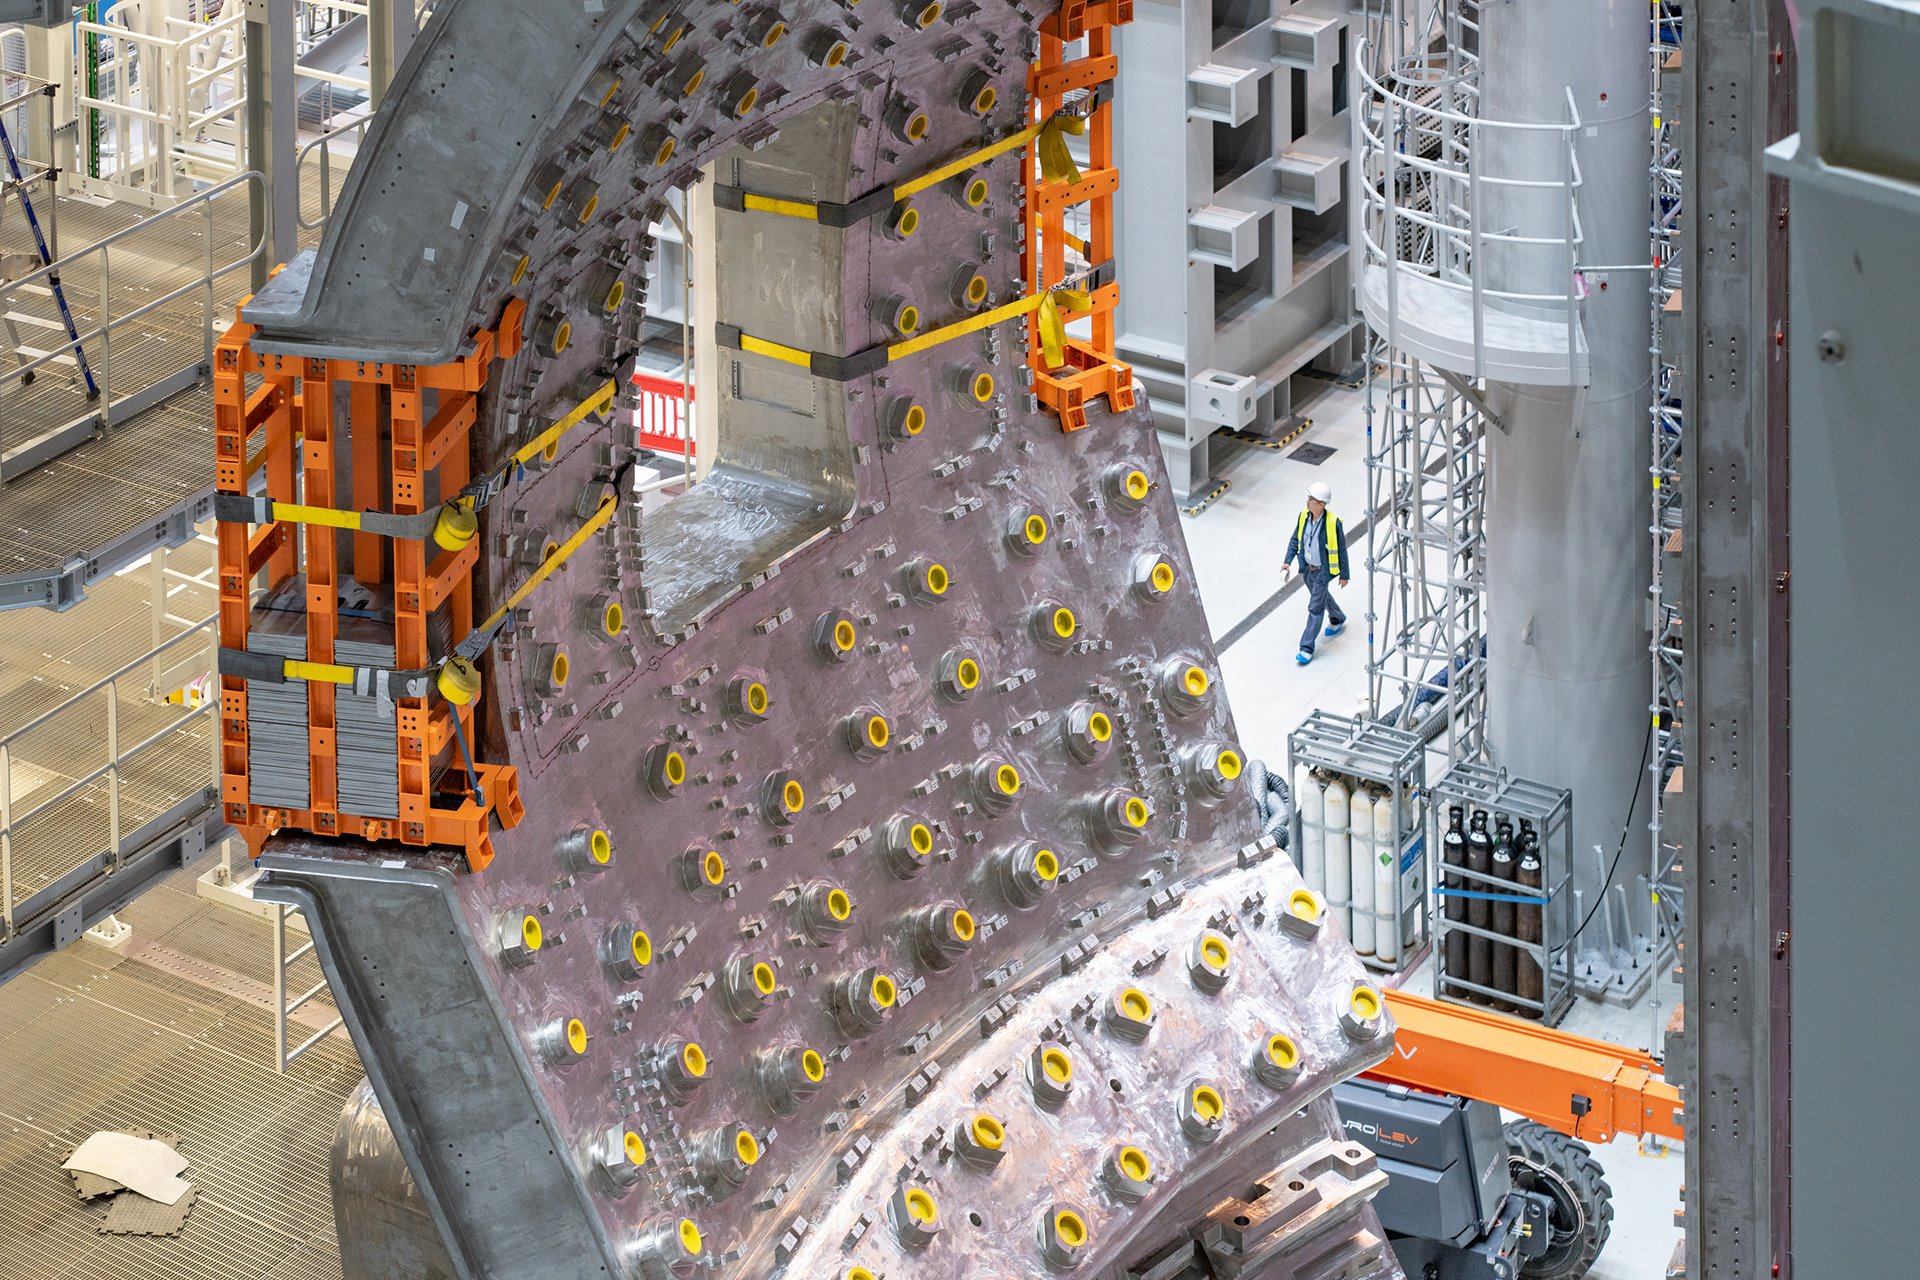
(283, 1008)
(661, 418)
(46, 759)
(13, 73)
(159, 102)
(331, 67)
(1428, 209)
(332, 150)
(106, 319)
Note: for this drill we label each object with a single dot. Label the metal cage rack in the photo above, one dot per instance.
(1388, 765)
(1479, 788)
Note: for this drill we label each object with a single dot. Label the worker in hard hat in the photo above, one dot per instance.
(1320, 541)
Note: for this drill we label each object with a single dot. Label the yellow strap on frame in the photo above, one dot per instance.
(596, 522)
(334, 673)
(791, 208)
(325, 672)
(1055, 306)
(328, 517)
(776, 350)
(1056, 164)
(337, 518)
(599, 402)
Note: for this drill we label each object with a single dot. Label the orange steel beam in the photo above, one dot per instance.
(1535, 1071)
(321, 455)
(369, 551)
(1089, 369)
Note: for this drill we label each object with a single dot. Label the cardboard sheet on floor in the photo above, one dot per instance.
(91, 1186)
(142, 1165)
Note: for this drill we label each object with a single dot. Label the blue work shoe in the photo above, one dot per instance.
(1303, 657)
(1336, 629)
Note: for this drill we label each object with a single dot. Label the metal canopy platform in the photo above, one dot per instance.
(106, 766)
(91, 511)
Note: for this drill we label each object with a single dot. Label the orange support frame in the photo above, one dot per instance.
(1090, 368)
(291, 416)
(1533, 1070)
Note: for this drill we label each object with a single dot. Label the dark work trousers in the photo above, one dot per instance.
(1320, 604)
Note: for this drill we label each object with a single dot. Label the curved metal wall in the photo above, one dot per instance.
(499, 172)
(1567, 471)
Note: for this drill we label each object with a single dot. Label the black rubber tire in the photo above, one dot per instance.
(1564, 1170)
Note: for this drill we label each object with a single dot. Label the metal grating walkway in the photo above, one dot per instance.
(106, 503)
(47, 661)
(146, 482)
(176, 1037)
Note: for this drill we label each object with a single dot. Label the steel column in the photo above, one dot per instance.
(391, 26)
(1733, 256)
(1566, 476)
(272, 132)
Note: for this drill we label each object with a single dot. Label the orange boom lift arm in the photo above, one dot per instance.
(1588, 1089)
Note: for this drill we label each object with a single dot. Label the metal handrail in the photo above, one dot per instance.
(1454, 117)
(321, 144)
(118, 756)
(1453, 231)
(8, 738)
(102, 330)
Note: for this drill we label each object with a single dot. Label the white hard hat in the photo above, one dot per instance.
(1319, 491)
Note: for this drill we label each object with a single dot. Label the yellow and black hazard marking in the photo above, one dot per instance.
(1267, 442)
(1207, 499)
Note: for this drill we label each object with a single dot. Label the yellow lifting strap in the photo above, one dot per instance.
(1053, 306)
(596, 522)
(325, 672)
(599, 402)
(1056, 165)
(452, 525)
(335, 673)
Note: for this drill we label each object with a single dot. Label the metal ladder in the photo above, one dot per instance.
(283, 1007)
(19, 183)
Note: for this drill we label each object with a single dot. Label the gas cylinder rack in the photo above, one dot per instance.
(1359, 821)
(1501, 931)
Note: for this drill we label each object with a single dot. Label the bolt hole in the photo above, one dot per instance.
(1296, 1185)
(1116, 1086)
(976, 1219)
(1242, 1220)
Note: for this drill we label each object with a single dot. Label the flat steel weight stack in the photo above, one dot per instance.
(884, 903)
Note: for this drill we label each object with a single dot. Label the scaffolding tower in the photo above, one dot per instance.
(1426, 475)
(1426, 441)
(1666, 774)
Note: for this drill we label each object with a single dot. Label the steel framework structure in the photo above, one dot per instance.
(1666, 776)
(1426, 452)
(1426, 468)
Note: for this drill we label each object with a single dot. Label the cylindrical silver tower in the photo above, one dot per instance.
(1566, 490)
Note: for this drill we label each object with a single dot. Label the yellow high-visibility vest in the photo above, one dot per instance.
(1330, 529)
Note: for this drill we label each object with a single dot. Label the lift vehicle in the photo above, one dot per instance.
(1469, 1198)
